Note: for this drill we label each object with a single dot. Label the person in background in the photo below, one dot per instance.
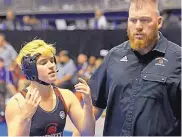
(81, 67)
(35, 23)
(100, 20)
(91, 60)
(7, 52)
(7, 88)
(26, 23)
(81, 61)
(7, 78)
(87, 73)
(10, 22)
(19, 78)
(98, 62)
(66, 70)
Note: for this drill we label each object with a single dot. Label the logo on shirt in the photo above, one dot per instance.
(160, 61)
(62, 115)
(55, 135)
(124, 59)
(51, 128)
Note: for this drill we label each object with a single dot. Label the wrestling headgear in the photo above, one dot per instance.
(29, 68)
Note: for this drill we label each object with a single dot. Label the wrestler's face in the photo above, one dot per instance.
(46, 68)
(143, 26)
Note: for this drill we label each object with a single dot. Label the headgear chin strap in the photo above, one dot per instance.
(29, 68)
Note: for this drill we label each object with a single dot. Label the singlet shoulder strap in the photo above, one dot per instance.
(58, 93)
(23, 92)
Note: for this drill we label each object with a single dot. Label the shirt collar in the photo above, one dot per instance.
(160, 46)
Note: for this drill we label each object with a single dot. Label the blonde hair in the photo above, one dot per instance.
(34, 47)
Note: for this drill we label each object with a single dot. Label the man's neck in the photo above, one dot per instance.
(146, 50)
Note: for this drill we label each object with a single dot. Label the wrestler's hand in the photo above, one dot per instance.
(30, 105)
(83, 88)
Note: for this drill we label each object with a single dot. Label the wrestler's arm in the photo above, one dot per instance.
(97, 112)
(19, 112)
(99, 92)
(17, 125)
(82, 118)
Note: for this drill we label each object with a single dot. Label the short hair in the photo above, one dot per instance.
(142, 3)
(34, 47)
(64, 53)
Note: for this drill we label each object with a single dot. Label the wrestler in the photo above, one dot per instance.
(41, 109)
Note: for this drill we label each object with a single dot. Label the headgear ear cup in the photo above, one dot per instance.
(29, 68)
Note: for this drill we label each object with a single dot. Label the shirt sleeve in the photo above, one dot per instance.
(174, 86)
(98, 86)
(71, 68)
(13, 53)
(9, 77)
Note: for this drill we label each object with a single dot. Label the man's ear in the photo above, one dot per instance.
(160, 22)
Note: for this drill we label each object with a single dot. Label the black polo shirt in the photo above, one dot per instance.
(142, 93)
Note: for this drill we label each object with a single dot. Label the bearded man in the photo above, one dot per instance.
(139, 81)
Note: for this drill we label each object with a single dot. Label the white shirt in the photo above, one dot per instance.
(102, 22)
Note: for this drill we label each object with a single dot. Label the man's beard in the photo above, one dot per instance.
(138, 44)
